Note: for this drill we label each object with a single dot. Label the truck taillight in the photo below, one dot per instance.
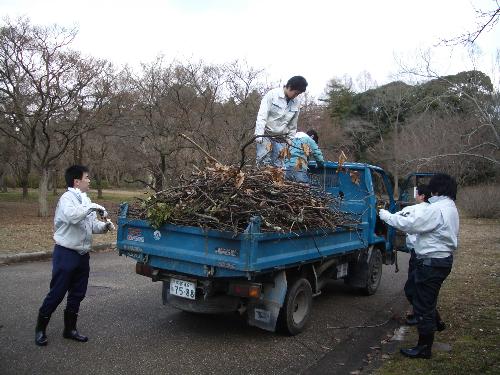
(245, 290)
(143, 269)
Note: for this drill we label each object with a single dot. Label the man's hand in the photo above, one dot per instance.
(99, 209)
(109, 225)
(384, 214)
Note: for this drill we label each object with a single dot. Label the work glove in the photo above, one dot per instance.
(99, 209)
(109, 225)
(259, 140)
(384, 214)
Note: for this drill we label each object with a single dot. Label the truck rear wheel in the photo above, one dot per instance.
(374, 273)
(296, 310)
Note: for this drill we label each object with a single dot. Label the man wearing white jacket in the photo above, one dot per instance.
(278, 115)
(75, 221)
(436, 228)
(422, 201)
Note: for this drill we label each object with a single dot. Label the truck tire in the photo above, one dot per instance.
(374, 273)
(296, 309)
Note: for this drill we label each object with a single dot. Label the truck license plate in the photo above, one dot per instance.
(182, 288)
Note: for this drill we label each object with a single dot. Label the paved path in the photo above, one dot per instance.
(131, 332)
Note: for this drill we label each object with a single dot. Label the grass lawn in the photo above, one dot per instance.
(469, 302)
(21, 230)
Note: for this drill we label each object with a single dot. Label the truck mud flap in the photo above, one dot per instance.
(358, 271)
(264, 313)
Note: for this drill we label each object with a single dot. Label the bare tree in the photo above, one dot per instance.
(240, 107)
(49, 94)
(473, 94)
(486, 20)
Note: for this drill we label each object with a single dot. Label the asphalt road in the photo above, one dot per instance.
(131, 332)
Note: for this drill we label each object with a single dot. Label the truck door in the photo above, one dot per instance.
(383, 200)
(383, 194)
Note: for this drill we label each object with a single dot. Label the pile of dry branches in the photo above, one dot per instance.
(226, 197)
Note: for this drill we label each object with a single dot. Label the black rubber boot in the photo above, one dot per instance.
(440, 325)
(423, 348)
(70, 331)
(411, 320)
(41, 326)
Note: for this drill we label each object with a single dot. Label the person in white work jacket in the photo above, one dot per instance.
(75, 221)
(422, 198)
(278, 115)
(436, 227)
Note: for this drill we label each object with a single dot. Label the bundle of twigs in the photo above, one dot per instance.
(226, 197)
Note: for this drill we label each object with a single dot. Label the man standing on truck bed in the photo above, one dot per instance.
(75, 221)
(436, 227)
(278, 115)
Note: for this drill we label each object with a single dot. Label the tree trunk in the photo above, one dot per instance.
(24, 185)
(98, 181)
(43, 205)
(395, 150)
(25, 175)
(3, 183)
(54, 182)
(159, 175)
(163, 169)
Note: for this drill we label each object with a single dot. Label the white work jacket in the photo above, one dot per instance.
(409, 210)
(276, 116)
(436, 226)
(75, 221)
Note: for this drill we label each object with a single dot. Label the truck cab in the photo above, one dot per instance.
(363, 189)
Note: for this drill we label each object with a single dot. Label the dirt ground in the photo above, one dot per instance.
(21, 230)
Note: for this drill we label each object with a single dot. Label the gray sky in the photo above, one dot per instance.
(318, 39)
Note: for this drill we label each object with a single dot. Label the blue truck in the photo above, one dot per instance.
(270, 277)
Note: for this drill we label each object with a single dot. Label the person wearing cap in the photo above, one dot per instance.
(303, 148)
(436, 227)
(75, 221)
(277, 120)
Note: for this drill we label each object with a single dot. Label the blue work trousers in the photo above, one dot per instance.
(429, 276)
(268, 153)
(297, 176)
(70, 274)
(410, 282)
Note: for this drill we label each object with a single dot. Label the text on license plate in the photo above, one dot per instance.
(183, 288)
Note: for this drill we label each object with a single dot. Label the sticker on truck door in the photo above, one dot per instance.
(227, 252)
(135, 234)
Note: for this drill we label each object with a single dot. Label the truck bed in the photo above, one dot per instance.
(204, 253)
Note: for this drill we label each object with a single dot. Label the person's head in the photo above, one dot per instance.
(295, 86)
(77, 176)
(442, 184)
(313, 134)
(423, 193)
